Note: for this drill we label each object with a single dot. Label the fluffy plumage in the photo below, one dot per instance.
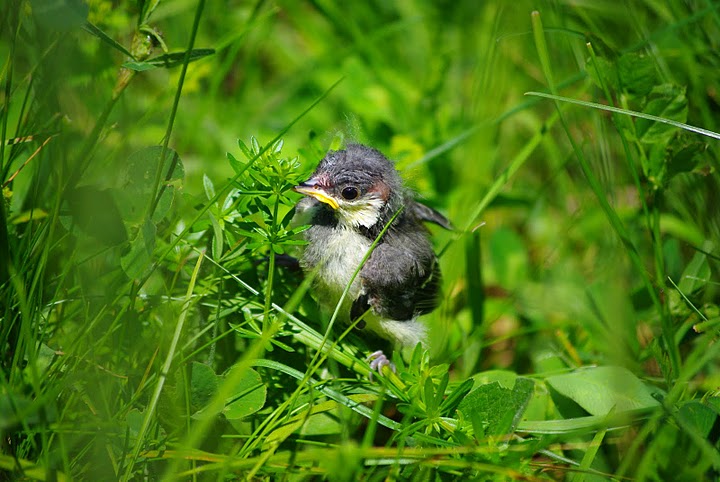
(351, 196)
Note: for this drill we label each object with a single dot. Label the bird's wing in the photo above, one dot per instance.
(401, 280)
(428, 214)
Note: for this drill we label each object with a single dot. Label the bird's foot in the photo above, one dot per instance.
(378, 360)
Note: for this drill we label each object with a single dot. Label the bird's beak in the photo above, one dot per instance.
(312, 188)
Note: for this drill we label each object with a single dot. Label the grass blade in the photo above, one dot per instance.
(632, 113)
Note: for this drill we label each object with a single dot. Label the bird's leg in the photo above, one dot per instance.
(378, 360)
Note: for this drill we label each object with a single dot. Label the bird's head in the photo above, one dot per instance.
(360, 185)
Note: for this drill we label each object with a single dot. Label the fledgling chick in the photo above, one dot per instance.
(352, 195)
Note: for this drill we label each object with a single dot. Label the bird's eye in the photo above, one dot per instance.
(350, 193)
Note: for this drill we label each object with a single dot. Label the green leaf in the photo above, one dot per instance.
(457, 396)
(134, 420)
(209, 188)
(236, 165)
(256, 149)
(245, 149)
(325, 423)
(668, 102)
(495, 410)
(698, 416)
(217, 241)
(686, 159)
(696, 274)
(681, 153)
(602, 72)
(599, 390)
(655, 165)
(685, 154)
(442, 387)
(637, 74)
(429, 395)
(203, 387)
(168, 60)
(249, 396)
(714, 404)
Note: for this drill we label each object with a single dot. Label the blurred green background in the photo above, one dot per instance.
(583, 237)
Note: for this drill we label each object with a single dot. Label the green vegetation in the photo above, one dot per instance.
(148, 331)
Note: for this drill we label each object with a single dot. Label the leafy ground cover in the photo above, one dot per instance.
(148, 150)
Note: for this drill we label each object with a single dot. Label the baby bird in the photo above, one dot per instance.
(351, 197)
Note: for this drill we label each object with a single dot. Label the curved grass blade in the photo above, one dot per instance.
(633, 113)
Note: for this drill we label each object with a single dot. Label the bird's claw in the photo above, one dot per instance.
(378, 360)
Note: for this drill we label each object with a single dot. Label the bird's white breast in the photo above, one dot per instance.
(340, 257)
